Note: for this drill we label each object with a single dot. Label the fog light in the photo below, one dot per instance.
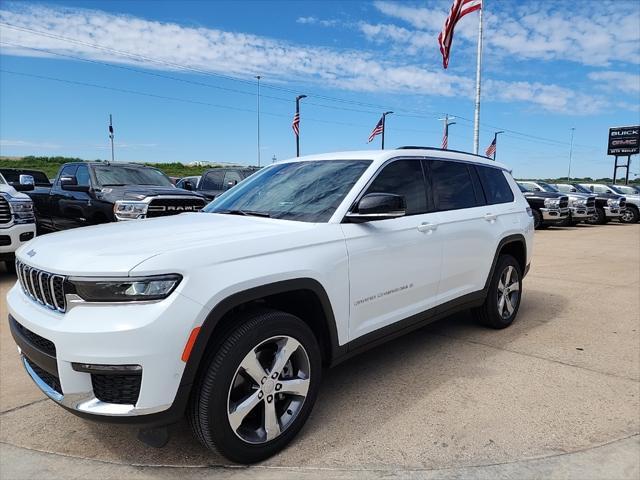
(26, 236)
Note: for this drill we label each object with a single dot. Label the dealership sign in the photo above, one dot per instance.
(624, 141)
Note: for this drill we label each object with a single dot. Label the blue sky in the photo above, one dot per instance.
(178, 79)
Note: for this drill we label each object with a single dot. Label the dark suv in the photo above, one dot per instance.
(216, 181)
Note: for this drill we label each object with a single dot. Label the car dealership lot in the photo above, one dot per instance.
(564, 378)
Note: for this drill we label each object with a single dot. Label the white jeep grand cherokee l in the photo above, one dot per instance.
(231, 314)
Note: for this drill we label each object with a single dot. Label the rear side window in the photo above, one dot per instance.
(452, 185)
(495, 185)
(212, 180)
(403, 177)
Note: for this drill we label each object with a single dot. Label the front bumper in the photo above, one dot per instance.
(15, 236)
(554, 214)
(151, 335)
(613, 212)
(582, 212)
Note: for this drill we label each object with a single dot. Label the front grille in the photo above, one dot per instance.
(37, 341)
(591, 202)
(121, 389)
(564, 202)
(5, 240)
(161, 207)
(46, 377)
(43, 287)
(5, 211)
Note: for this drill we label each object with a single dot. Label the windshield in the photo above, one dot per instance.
(582, 189)
(118, 175)
(526, 187)
(547, 188)
(624, 189)
(304, 191)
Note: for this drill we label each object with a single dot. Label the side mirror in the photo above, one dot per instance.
(378, 206)
(232, 183)
(25, 183)
(536, 189)
(187, 185)
(70, 183)
(573, 190)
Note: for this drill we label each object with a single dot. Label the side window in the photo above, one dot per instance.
(403, 177)
(212, 180)
(452, 185)
(599, 189)
(66, 171)
(231, 177)
(82, 174)
(496, 187)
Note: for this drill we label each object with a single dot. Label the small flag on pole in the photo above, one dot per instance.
(491, 149)
(377, 130)
(296, 124)
(458, 10)
(445, 139)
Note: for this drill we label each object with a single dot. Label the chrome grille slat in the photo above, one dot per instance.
(5, 211)
(43, 287)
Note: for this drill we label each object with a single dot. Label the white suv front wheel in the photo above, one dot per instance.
(501, 305)
(258, 388)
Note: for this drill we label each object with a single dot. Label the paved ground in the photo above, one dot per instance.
(557, 395)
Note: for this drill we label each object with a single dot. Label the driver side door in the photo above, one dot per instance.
(394, 264)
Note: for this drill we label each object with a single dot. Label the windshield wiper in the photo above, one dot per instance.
(246, 213)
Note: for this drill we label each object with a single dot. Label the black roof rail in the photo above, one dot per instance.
(413, 147)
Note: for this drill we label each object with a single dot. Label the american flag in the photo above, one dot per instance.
(296, 124)
(377, 130)
(458, 10)
(491, 149)
(445, 139)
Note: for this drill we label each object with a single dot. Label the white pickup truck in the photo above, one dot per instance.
(231, 314)
(17, 222)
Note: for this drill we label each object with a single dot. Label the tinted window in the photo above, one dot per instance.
(495, 185)
(452, 185)
(599, 189)
(403, 177)
(212, 180)
(231, 177)
(117, 175)
(82, 175)
(67, 170)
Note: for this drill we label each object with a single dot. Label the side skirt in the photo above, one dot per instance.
(402, 327)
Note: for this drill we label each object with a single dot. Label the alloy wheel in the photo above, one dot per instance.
(508, 292)
(269, 389)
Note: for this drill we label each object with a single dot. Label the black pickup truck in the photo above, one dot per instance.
(216, 181)
(89, 193)
(548, 208)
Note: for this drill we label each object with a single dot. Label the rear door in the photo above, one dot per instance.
(394, 264)
(469, 227)
(211, 183)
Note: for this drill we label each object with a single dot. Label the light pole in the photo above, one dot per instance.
(384, 125)
(298, 98)
(445, 133)
(258, 77)
(570, 155)
(111, 135)
(495, 143)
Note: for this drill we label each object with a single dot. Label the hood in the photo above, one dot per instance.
(140, 192)
(543, 194)
(13, 193)
(116, 248)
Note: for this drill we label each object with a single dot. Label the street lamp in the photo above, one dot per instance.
(384, 121)
(298, 98)
(495, 143)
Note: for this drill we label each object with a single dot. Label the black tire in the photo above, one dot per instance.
(630, 215)
(599, 218)
(10, 266)
(537, 219)
(488, 313)
(208, 410)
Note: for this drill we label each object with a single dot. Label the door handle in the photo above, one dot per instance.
(490, 217)
(427, 227)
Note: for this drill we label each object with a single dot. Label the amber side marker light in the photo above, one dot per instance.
(190, 343)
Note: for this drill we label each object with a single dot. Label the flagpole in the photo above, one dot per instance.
(476, 118)
(258, 77)
(298, 98)
(384, 122)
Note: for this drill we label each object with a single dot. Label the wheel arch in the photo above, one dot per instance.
(514, 245)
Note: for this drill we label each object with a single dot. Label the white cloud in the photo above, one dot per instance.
(593, 33)
(622, 82)
(160, 45)
(4, 143)
(317, 21)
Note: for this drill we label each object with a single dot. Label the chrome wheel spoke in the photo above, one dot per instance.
(508, 304)
(501, 302)
(271, 424)
(508, 272)
(297, 386)
(243, 409)
(253, 367)
(514, 287)
(500, 286)
(286, 347)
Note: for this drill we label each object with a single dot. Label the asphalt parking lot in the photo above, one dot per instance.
(557, 395)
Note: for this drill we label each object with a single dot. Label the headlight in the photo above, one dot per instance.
(580, 201)
(551, 202)
(22, 210)
(125, 289)
(130, 209)
(613, 202)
